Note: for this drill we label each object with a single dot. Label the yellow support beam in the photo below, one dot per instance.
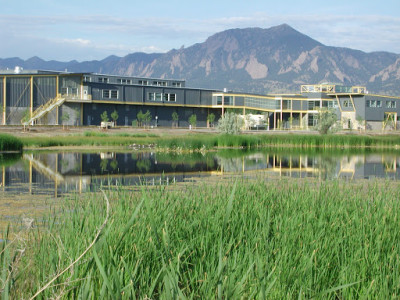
(4, 99)
(352, 102)
(31, 106)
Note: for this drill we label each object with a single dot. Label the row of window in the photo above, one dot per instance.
(378, 103)
(130, 81)
(169, 97)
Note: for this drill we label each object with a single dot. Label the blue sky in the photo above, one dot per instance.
(86, 30)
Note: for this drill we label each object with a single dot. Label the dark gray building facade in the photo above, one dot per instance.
(55, 98)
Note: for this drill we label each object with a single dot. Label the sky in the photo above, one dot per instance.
(92, 30)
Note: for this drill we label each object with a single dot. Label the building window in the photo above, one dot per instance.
(390, 104)
(103, 80)
(170, 97)
(143, 82)
(313, 105)
(160, 83)
(286, 104)
(87, 79)
(346, 103)
(374, 103)
(329, 104)
(176, 84)
(110, 94)
(123, 81)
(154, 96)
(114, 94)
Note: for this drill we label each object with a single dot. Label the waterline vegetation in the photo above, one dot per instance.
(201, 141)
(245, 239)
(10, 143)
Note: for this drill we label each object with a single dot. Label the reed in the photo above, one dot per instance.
(246, 239)
(10, 143)
(196, 141)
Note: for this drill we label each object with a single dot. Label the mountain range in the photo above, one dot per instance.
(254, 60)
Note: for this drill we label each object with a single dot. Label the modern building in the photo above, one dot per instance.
(53, 98)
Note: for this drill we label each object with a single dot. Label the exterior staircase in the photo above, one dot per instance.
(44, 109)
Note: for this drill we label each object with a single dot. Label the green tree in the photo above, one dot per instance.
(140, 118)
(26, 116)
(230, 123)
(193, 120)
(104, 116)
(361, 122)
(104, 165)
(326, 119)
(147, 118)
(64, 119)
(175, 119)
(211, 119)
(114, 117)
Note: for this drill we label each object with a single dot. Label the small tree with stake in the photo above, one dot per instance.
(64, 119)
(193, 120)
(114, 117)
(211, 119)
(175, 119)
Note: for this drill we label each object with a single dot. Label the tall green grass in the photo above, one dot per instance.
(250, 239)
(10, 143)
(197, 141)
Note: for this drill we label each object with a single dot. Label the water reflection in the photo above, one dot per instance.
(59, 173)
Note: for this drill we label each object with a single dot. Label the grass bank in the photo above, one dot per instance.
(10, 143)
(198, 141)
(250, 239)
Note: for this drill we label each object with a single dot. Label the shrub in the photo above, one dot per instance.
(230, 123)
(327, 118)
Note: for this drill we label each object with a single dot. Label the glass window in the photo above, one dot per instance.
(390, 104)
(114, 94)
(106, 93)
(286, 104)
(313, 105)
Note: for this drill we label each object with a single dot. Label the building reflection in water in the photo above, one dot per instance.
(60, 173)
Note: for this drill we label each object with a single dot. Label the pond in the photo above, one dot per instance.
(31, 182)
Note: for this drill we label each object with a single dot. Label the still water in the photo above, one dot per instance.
(58, 173)
(31, 183)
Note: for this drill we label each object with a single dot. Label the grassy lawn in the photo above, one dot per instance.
(246, 239)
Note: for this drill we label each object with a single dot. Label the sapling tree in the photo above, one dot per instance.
(193, 120)
(104, 116)
(175, 118)
(211, 119)
(114, 117)
(64, 118)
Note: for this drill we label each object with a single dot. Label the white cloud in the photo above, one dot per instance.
(78, 41)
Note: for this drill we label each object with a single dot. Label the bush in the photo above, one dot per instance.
(230, 123)
(327, 118)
